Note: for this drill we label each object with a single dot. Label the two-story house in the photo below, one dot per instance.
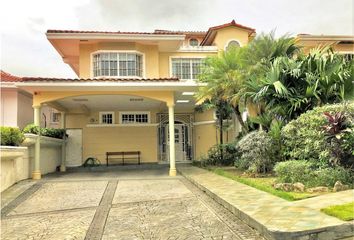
(134, 92)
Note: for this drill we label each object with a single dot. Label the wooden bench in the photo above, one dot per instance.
(124, 156)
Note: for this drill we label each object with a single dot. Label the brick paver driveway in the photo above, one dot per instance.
(119, 204)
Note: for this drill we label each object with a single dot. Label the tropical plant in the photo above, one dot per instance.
(255, 152)
(311, 176)
(214, 157)
(305, 139)
(291, 86)
(335, 129)
(222, 75)
(11, 136)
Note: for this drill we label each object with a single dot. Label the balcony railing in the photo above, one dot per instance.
(198, 49)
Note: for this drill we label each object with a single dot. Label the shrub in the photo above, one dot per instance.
(293, 171)
(329, 176)
(48, 132)
(11, 136)
(220, 155)
(255, 152)
(306, 173)
(304, 137)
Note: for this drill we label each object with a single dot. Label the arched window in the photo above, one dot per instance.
(193, 42)
(232, 43)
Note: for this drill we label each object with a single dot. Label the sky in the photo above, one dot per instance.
(25, 50)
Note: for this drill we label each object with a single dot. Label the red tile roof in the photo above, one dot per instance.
(42, 79)
(118, 32)
(231, 24)
(180, 32)
(7, 77)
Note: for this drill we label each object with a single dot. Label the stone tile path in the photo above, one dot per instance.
(274, 217)
(144, 204)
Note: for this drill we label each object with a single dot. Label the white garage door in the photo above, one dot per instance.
(74, 148)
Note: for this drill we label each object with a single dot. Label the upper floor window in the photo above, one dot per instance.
(116, 64)
(193, 42)
(186, 68)
(232, 43)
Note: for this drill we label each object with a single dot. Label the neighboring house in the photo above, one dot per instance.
(341, 44)
(16, 105)
(134, 92)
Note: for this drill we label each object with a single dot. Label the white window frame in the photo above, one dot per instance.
(109, 112)
(135, 113)
(228, 42)
(189, 42)
(118, 51)
(52, 117)
(178, 57)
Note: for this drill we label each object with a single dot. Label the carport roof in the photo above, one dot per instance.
(76, 80)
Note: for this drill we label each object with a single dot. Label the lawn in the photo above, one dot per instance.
(344, 212)
(261, 183)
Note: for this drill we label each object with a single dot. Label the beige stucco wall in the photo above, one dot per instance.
(97, 140)
(25, 110)
(14, 165)
(223, 36)
(8, 107)
(17, 163)
(150, 56)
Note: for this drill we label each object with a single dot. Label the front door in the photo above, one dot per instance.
(179, 141)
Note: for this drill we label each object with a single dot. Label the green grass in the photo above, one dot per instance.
(344, 212)
(262, 183)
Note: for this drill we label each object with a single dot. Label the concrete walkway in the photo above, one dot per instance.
(274, 217)
(120, 204)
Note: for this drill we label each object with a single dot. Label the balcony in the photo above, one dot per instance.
(198, 49)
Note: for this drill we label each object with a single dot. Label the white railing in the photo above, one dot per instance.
(198, 49)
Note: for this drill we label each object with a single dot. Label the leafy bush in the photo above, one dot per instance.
(220, 155)
(48, 132)
(304, 137)
(11, 136)
(329, 176)
(293, 171)
(306, 173)
(255, 152)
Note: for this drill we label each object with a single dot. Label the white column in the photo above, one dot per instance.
(36, 173)
(171, 126)
(63, 146)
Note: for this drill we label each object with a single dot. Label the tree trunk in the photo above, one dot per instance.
(239, 118)
(221, 126)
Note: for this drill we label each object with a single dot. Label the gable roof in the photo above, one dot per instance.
(210, 35)
(7, 77)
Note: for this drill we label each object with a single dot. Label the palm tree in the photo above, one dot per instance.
(222, 75)
(291, 86)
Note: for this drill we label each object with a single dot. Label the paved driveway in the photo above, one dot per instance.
(119, 204)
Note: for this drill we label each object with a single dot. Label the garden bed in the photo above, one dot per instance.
(264, 183)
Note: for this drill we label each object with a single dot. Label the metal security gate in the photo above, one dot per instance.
(183, 137)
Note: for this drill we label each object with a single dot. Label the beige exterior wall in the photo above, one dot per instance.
(97, 140)
(25, 110)
(8, 107)
(150, 56)
(225, 35)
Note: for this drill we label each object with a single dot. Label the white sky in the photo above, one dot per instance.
(25, 50)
